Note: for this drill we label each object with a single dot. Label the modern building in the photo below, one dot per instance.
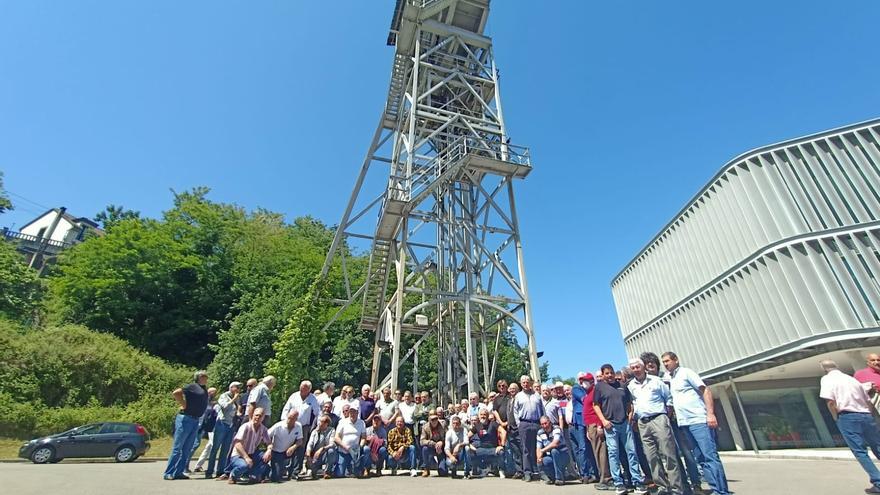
(45, 236)
(773, 266)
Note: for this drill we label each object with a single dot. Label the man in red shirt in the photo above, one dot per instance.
(596, 434)
(871, 375)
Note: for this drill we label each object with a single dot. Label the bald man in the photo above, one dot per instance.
(871, 374)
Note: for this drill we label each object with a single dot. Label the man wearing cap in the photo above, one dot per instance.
(375, 451)
(596, 434)
(580, 445)
(552, 404)
(432, 437)
(651, 401)
(192, 400)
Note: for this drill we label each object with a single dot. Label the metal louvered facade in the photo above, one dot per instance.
(777, 258)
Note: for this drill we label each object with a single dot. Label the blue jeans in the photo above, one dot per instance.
(620, 438)
(554, 463)
(185, 430)
(702, 440)
(409, 455)
(367, 457)
(327, 458)
(582, 452)
(463, 463)
(693, 472)
(431, 457)
(349, 462)
(222, 441)
(860, 432)
(239, 468)
(484, 458)
(281, 466)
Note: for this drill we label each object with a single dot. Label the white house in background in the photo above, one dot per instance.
(70, 229)
(43, 237)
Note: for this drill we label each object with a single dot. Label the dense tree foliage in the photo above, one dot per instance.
(113, 214)
(20, 289)
(5, 203)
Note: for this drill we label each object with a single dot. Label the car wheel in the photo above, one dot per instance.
(125, 453)
(42, 455)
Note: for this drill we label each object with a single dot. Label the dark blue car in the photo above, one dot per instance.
(124, 442)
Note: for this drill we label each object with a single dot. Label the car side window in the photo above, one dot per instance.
(115, 428)
(89, 430)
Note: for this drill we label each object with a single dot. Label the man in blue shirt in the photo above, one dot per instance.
(582, 452)
(528, 409)
(651, 398)
(695, 412)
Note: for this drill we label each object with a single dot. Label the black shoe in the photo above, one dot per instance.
(209, 476)
(181, 477)
(546, 479)
(517, 476)
(872, 489)
(587, 480)
(527, 477)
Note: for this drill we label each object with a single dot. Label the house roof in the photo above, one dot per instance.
(67, 216)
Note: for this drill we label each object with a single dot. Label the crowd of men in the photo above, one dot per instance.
(635, 430)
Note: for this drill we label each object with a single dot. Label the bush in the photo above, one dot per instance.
(57, 378)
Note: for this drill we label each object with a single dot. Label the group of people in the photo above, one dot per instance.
(624, 431)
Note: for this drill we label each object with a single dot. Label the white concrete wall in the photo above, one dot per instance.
(46, 221)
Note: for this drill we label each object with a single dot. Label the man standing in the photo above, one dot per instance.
(611, 401)
(651, 398)
(193, 400)
(551, 453)
(206, 429)
(351, 436)
(226, 411)
(387, 407)
(596, 434)
(871, 374)
(528, 409)
(321, 449)
(367, 405)
(326, 394)
(695, 412)
(513, 452)
(580, 445)
(308, 410)
(260, 398)
(850, 407)
(285, 438)
(248, 465)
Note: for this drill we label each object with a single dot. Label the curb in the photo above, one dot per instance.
(783, 456)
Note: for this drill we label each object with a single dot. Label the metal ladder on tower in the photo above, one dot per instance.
(377, 280)
(395, 91)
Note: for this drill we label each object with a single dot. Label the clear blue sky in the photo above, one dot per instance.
(629, 108)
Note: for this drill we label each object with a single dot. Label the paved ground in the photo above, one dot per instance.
(747, 477)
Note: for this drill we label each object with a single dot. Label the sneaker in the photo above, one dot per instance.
(640, 490)
(872, 489)
(604, 487)
(502, 474)
(546, 479)
(517, 476)
(527, 477)
(168, 477)
(620, 490)
(413, 473)
(560, 483)
(181, 477)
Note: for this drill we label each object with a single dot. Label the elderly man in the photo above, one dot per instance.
(260, 398)
(285, 438)
(321, 449)
(226, 410)
(367, 405)
(455, 446)
(248, 463)
(551, 452)
(528, 409)
(351, 436)
(487, 446)
(871, 375)
(401, 446)
(513, 448)
(375, 452)
(432, 437)
(387, 407)
(192, 400)
(306, 404)
(327, 409)
(580, 447)
(651, 401)
(346, 396)
(613, 405)
(695, 411)
(474, 407)
(326, 393)
(596, 434)
(850, 406)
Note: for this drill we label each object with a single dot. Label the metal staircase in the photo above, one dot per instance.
(396, 89)
(377, 282)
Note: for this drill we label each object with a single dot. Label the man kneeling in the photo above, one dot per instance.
(321, 449)
(248, 463)
(285, 438)
(552, 453)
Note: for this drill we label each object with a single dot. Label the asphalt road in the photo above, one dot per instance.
(747, 477)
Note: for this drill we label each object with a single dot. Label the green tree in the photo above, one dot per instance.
(113, 214)
(20, 289)
(5, 203)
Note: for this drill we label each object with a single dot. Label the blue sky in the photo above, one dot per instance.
(628, 107)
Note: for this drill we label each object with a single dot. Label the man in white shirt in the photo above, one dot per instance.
(850, 406)
(351, 436)
(345, 397)
(387, 407)
(326, 395)
(307, 406)
(456, 443)
(285, 437)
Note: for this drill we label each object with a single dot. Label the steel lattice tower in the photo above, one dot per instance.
(446, 256)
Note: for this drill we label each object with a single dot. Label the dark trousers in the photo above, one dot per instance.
(299, 455)
(513, 452)
(430, 457)
(528, 436)
(281, 466)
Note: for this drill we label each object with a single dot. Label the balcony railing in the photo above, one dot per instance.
(10, 235)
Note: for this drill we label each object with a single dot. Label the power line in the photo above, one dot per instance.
(29, 200)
